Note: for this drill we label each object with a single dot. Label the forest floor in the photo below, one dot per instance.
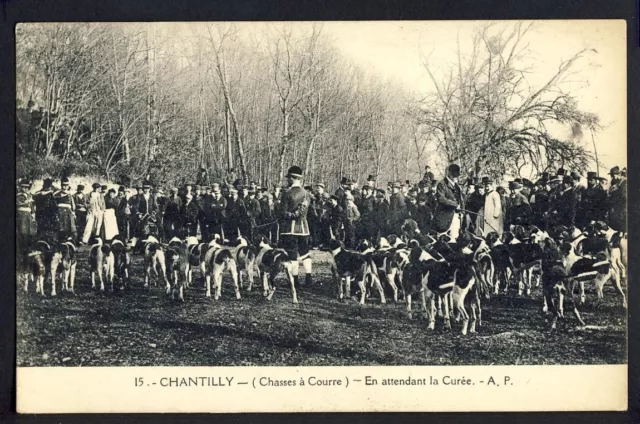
(142, 327)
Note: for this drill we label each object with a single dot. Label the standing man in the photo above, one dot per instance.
(147, 209)
(518, 210)
(618, 201)
(428, 175)
(190, 214)
(448, 217)
(80, 201)
(123, 213)
(253, 214)
(397, 208)
(66, 208)
(25, 226)
(493, 218)
(203, 177)
(540, 202)
(593, 204)
(172, 215)
(294, 230)
(46, 211)
(95, 214)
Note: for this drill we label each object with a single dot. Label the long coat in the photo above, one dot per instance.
(493, 217)
(449, 196)
(618, 206)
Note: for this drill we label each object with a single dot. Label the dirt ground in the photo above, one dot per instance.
(145, 328)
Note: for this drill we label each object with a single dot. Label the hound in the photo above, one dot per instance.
(218, 259)
(154, 258)
(121, 261)
(598, 269)
(100, 261)
(270, 263)
(177, 267)
(348, 264)
(33, 264)
(69, 263)
(245, 257)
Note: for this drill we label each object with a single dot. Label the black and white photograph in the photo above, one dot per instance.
(372, 193)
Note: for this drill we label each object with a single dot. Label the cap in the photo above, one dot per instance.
(334, 197)
(396, 184)
(381, 192)
(121, 189)
(295, 172)
(513, 185)
(25, 182)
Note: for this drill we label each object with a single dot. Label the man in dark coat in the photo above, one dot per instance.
(25, 225)
(294, 228)
(450, 201)
(397, 208)
(569, 202)
(236, 212)
(253, 214)
(66, 209)
(146, 210)
(123, 211)
(366, 226)
(617, 218)
(344, 185)
(428, 175)
(540, 202)
(593, 202)
(334, 218)
(190, 211)
(380, 214)
(80, 200)
(518, 207)
(172, 221)
(46, 211)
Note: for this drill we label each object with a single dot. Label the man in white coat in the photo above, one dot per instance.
(493, 219)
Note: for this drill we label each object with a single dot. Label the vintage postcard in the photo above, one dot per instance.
(321, 216)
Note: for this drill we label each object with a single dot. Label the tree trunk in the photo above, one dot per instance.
(227, 136)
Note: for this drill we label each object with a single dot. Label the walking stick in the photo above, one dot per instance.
(485, 221)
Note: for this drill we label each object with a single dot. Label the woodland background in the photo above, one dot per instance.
(126, 101)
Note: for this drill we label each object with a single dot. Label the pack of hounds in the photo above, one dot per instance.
(451, 277)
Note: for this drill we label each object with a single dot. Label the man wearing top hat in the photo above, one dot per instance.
(344, 185)
(475, 205)
(618, 201)
(294, 229)
(371, 182)
(25, 225)
(447, 216)
(66, 209)
(80, 200)
(593, 202)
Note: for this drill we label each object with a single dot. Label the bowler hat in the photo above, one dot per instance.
(47, 183)
(371, 178)
(343, 181)
(146, 184)
(575, 175)
(80, 187)
(381, 192)
(95, 185)
(454, 170)
(295, 172)
(121, 189)
(334, 197)
(513, 185)
(65, 181)
(320, 185)
(615, 171)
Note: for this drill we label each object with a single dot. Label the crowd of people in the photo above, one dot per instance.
(351, 214)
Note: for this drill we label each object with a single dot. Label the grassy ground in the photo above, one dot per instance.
(141, 327)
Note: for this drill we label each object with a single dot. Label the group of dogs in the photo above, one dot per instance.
(451, 275)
